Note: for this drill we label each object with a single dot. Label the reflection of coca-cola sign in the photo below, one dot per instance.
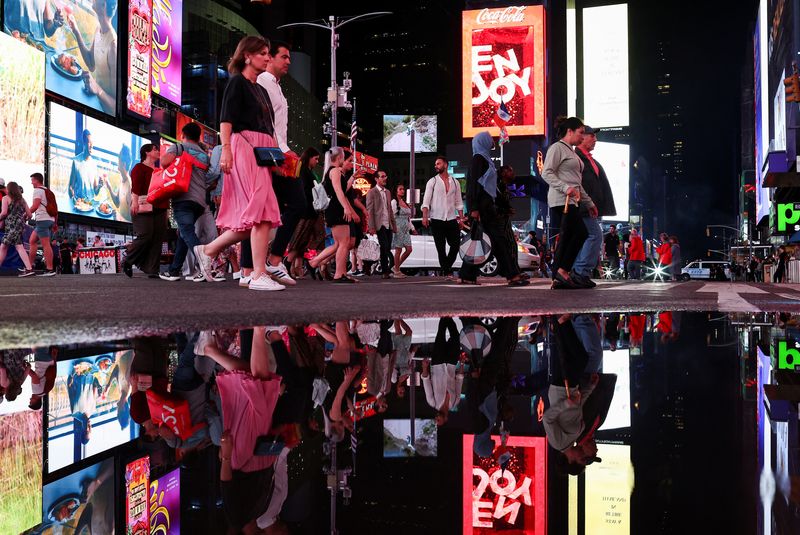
(501, 16)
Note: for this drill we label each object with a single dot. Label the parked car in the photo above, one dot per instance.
(424, 256)
(707, 270)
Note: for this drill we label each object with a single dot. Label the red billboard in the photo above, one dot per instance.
(140, 42)
(513, 501)
(503, 53)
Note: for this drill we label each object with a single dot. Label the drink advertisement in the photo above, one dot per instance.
(503, 52)
(139, 45)
(167, 43)
(165, 504)
(137, 485)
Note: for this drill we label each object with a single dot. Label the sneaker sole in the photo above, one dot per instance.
(270, 289)
(198, 254)
(169, 279)
(282, 279)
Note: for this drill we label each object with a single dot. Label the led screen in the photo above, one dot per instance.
(82, 502)
(80, 46)
(89, 165)
(89, 409)
(608, 487)
(397, 438)
(615, 159)
(502, 59)
(619, 413)
(605, 66)
(22, 102)
(761, 98)
(397, 135)
(779, 116)
(167, 49)
(166, 492)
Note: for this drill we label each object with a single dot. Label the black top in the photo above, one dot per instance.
(597, 186)
(477, 168)
(247, 106)
(612, 244)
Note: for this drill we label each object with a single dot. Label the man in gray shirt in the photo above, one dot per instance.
(187, 207)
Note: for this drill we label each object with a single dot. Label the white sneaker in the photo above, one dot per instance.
(265, 283)
(204, 339)
(237, 275)
(218, 277)
(244, 282)
(197, 277)
(203, 261)
(280, 329)
(280, 274)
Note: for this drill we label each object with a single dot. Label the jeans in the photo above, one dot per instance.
(292, 200)
(635, 269)
(446, 233)
(385, 241)
(590, 252)
(186, 378)
(186, 213)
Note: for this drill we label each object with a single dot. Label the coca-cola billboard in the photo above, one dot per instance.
(503, 53)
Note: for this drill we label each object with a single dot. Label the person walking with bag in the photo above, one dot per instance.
(14, 211)
(249, 207)
(443, 211)
(381, 219)
(563, 171)
(482, 194)
(44, 212)
(149, 221)
(401, 241)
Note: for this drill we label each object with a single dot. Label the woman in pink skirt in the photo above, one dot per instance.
(249, 207)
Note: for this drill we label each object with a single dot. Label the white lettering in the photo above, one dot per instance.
(481, 488)
(482, 514)
(512, 510)
(507, 76)
(509, 479)
(501, 63)
(501, 16)
(481, 58)
(525, 490)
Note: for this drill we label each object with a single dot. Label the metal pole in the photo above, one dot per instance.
(412, 182)
(501, 154)
(333, 93)
(334, 488)
(413, 404)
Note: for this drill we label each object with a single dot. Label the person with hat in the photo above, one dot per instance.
(595, 182)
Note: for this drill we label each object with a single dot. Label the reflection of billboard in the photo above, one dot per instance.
(605, 66)
(397, 135)
(514, 501)
(57, 28)
(20, 468)
(615, 159)
(82, 502)
(140, 37)
(137, 493)
(502, 60)
(89, 165)
(165, 504)
(167, 49)
(88, 409)
(397, 438)
(619, 413)
(22, 102)
(207, 135)
(608, 491)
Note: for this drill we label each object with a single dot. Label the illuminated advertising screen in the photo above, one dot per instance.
(608, 491)
(80, 46)
(616, 159)
(167, 49)
(779, 115)
(207, 135)
(502, 58)
(510, 501)
(397, 438)
(397, 133)
(165, 504)
(605, 66)
(619, 413)
(82, 502)
(88, 408)
(89, 165)
(140, 32)
(761, 98)
(22, 102)
(137, 493)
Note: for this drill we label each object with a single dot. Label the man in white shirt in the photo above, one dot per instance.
(443, 210)
(381, 219)
(290, 191)
(45, 224)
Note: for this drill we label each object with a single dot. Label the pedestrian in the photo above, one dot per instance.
(563, 172)
(664, 251)
(307, 231)
(598, 188)
(381, 220)
(401, 241)
(249, 207)
(635, 255)
(675, 250)
(42, 374)
(98, 241)
(187, 207)
(504, 211)
(443, 211)
(14, 212)
(338, 216)
(443, 374)
(482, 193)
(44, 212)
(611, 247)
(782, 257)
(3, 189)
(149, 220)
(359, 222)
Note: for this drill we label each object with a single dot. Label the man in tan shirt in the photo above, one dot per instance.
(381, 219)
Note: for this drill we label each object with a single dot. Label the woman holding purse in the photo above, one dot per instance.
(149, 221)
(249, 207)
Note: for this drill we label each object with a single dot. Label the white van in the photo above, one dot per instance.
(706, 269)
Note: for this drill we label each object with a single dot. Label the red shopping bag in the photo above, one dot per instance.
(173, 412)
(174, 180)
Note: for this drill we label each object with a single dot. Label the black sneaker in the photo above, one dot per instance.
(172, 276)
(48, 273)
(127, 269)
(582, 280)
(26, 273)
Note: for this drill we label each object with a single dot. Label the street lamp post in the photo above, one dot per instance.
(337, 96)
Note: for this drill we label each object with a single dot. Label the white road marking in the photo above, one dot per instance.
(729, 297)
(795, 297)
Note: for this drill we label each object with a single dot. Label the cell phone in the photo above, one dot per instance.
(268, 445)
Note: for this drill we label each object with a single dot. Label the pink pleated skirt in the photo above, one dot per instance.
(247, 195)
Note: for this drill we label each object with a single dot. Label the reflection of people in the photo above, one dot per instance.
(101, 57)
(35, 18)
(81, 385)
(83, 177)
(443, 380)
(42, 374)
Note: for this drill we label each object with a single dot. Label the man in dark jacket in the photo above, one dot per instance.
(595, 182)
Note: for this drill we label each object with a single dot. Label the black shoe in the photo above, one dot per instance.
(172, 276)
(519, 282)
(127, 269)
(582, 280)
(562, 282)
(312, 271)
(344, 280)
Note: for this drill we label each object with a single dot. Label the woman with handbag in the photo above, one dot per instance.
(249, 206)
(481, 200)
(149, 221)
(401, 240)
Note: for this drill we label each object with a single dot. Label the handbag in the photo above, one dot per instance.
(369, 250)
(476, 247)
(175, 179)
(321, 200)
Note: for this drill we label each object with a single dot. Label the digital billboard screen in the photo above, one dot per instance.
(82, 502)
(503, 60)
(140, 37)
(80, 46)
(615, 159)
(167, 49)
(165, 504)
(605, 66)
(397, 438)
(89, 165)
(397, 133)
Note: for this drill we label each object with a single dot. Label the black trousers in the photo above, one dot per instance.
(446, 233)
(145, 251)
(498, 228)
(385, 241)
(571, 237)
(292, 200)
(447, 345)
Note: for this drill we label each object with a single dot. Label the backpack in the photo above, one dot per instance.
(51, 205)
(321, 199)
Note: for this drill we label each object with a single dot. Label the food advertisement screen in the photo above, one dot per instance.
(502, 56)
(82, 502)
(165, 504)
(167, 49)
(79, 43)
(22, 102)
(89, 408)
(140, 34)
(89, 165)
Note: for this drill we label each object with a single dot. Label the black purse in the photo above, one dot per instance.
(265, 156)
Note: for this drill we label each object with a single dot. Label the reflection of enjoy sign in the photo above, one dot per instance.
(788, 214)
(788, 359)
(508, 497)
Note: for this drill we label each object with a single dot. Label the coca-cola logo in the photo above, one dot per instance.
(501, 16)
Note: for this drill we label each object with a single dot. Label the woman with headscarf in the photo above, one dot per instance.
(481, 201)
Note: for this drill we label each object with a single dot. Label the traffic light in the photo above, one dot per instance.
(792, 84)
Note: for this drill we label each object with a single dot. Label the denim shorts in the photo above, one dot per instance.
(44, 229)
